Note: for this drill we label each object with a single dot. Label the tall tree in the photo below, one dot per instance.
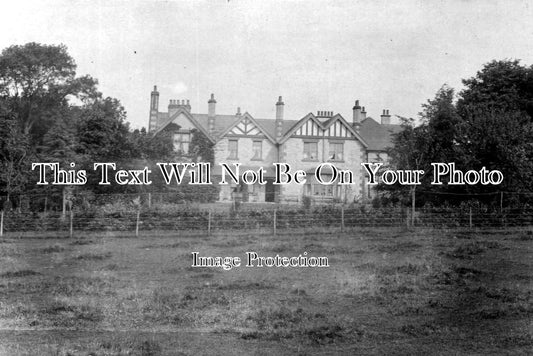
(102, 131)
(14, 152)
(201, 148)
(36, 79)
(500, 85)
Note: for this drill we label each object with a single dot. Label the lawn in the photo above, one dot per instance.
(386, 292)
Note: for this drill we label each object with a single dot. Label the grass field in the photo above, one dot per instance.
(385, 292)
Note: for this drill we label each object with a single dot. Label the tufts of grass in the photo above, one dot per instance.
(53, 249)
(420, 330)
(61, 286)
(467, 251)
(110, 267)
(82, 242)
(180, 244)
(180, 308)
(245, 285)
(284, 323)
(59, 313)
(94, 256)
(136, 346)
(457, 275)
(399, 247)
(18, 274)
(279, 248)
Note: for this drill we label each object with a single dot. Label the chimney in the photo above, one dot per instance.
(356, 113)
(363, 114)
(154, 109)
(324, 114)
(238, 111)
(174, 105)
(385, 117)
(279, 117)
(211, 106)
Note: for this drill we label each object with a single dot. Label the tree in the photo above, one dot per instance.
(496, 129)
(502, 140)
(441, 120)
(500, 85)
(434, 140)
(410, 152)
(201, 148)
(37, 79)
(490, 126)
(102, 130)
(14, 148)
(146, 146)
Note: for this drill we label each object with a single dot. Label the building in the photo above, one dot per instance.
(304, 143)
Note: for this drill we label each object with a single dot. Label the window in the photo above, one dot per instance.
(257, 150)
(232, 148)
(310, 150)
(181, 142)
(321, 190)
(336, 151)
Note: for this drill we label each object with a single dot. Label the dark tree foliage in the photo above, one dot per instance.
(103, 131)
(500, 140)
(489, 126)
(201, 148)
(502, 86)
(14, 157)
(36, 81)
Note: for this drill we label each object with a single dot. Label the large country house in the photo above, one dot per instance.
(304, 144)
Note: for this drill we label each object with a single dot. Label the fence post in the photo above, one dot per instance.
(2, 223)
(501, 208)
(470, 217)
(209, 223)
(413, 201)
(342, 219)
(275, 222)
(71, 219)
(137, 223)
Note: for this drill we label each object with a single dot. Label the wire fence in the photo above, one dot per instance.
(139, 220)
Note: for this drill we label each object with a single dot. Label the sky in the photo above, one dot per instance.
(318, 55)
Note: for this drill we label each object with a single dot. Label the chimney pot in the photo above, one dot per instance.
(238, 110)
(357, 117)
(211, 108)
(385, 118)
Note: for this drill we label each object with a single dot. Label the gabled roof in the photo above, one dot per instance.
(189, 116)
(379, 137)
(323, 125)
(222, 122)
(374, 136)
(247, 116)
(298, 124)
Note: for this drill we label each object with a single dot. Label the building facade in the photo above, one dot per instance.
(305, 143)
